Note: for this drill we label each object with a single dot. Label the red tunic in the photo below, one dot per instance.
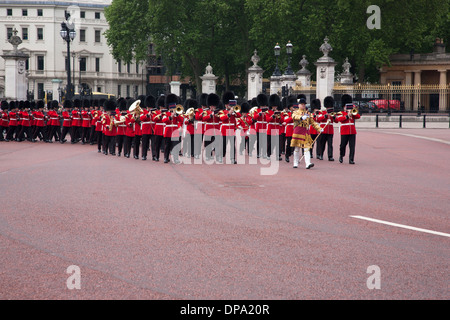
(212, 123)
(146, 123)
(261, 123)
(228, 126)
(173, 123)
(53, 118)
(273, 121)
(289, 124)
(86, 119)
(322, 119)
(4, 119)
(199, 126)
(347, 123)
(39, 119)
(76, 118)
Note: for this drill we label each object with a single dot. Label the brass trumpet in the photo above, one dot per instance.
(179, 110)
(237, 108)
(354, 111)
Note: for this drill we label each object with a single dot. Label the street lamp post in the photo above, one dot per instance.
(289, 70)
(277, 72)
(68, 34)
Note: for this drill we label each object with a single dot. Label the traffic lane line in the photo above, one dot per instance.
(402, 226)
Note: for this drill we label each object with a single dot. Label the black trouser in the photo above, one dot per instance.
(275, 148)
(108, 144)
(213, 143)
(92, 135)
(40, 130)
(85, 134)
(349, 139)
(75, 133)
(10, 132)
(145, 144)
(261, 144)
(251, 143)
(99, 140)
(65, 131)
(127, 145)
(136, 145)
(169, 146)
(25, 130)
(156, 146)
(1, 133)
(56, 132)
(119, 141)
(188, 145)
(198, 138)
(288, 147)
(328, 140)
(282, 143)
(231, 141)
(244, 144)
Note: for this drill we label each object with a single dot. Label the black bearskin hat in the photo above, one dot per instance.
(262, 100)
(67, 104)
(110, 105)
(77, 103)
(40, 104)
(328, 102)
(161, 101)
(213, 100)
(171, 100)
(274, 101)
(54, 105)
(150, 101)
(315, 104)
(345, 99)
(227, 96)
(203, 99)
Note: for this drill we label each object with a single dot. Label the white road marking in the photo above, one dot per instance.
(420, 137)
(402, 226)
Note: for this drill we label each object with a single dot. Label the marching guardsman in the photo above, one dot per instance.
(159, 127)
(348, 130)
(138, 129)
(121, 126)
(99, 126)
(292, 105)
(13, 119)
(261, 125)
(327, 136)
(212, 135)
(67, 120)
(54, 124)
(229, 117)
(199, 125)
(39, 119)
(4, 120)
(76, 121)
(85, 122)
(190, 106)
(92, 134)
(243, 123)
(273, 118)
(146, 122)
(130, 131)
(33, 121)
(301, 138)
(109, 129)
(173, 122)
(315, 113)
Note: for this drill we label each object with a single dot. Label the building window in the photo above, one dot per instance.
(82, 14)
(97, 35)
(27, 64)
(39, 13)
(97, 15)
(99, 89)
(40, 33)
(128, 67)
(9, 33)
(9, 12)
(97, 64)
(41, 93)
(40, 63)
(119, 66)
(137, 68)
(119, 90)
(24, 12)
(83, 64)
(82, 35)
(24, 33)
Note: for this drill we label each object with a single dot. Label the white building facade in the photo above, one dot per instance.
(38, 23)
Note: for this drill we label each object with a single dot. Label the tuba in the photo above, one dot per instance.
(135, 109)
(190, 113)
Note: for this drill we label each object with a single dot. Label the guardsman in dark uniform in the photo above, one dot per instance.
(348, 129)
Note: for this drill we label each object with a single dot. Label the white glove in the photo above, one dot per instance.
(306, 116)
(322, 130)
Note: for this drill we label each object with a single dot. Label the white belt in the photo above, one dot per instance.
(123, 125)
(171, 125)
(228, 124)
(54, 118)
(212, 123)
(39, 119)
(146, 122)
(76, 118)
(347, 124)
(289, 124)
(71, 120)
(160, 124)
(261, 122)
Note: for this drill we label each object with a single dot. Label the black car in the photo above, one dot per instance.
(367, 107)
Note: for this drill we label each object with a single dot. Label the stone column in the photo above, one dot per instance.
(175, 87)
(15, 73)
(209, 80)
(276, 82)
(442, 90)
(325, 72)
(255, 77)
(304, 75)
(56, 83)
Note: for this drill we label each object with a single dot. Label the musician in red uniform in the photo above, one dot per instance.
(261, 125)
(54, 123)
(199, 125)
(67, 120)
(327, 136)
(212, 136)
(109, 129)
(273, 119)
(173, 122)
(39, 119)
(121, 125)
(130, 131)
(348, 129)
(25, 120)
(85, 122)
(4, 120)
(228, 126)
(159, 127)
(243, 124)
(76, 121)
(292, 105)
(146, 125)
(12, 121)
(99, 127)
(190, 106)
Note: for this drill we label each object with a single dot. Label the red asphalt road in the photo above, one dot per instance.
(145, 230)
